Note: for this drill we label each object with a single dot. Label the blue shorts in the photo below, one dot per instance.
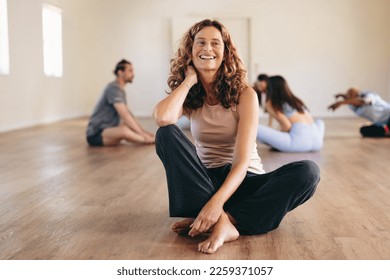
(96, 139)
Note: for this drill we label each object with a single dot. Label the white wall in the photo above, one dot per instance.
(321, 47)
(27, 97)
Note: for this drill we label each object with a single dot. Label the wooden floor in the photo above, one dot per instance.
(60, 199)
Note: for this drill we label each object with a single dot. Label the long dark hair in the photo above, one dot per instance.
(279, 93)
(231, 76)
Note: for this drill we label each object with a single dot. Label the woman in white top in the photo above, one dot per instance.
(299, 132)
(218, 185)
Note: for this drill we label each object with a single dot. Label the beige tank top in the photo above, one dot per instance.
(215, 128)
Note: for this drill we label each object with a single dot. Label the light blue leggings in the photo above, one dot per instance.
(301, 137)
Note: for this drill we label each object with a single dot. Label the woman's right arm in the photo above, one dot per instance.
(170, 109)
(270, 119)
(284, 122)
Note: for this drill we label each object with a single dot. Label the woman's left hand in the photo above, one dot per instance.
(206, 218)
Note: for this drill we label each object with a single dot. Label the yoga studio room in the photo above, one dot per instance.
(195, 130)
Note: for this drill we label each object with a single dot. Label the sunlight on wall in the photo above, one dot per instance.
(52, 40)
(4, 47)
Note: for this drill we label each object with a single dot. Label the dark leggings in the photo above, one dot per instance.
(373, 131)
(260, 202)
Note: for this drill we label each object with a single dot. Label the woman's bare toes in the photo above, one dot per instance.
(182, 226)
(224, 231)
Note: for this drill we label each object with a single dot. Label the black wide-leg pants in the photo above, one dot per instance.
(260, 202)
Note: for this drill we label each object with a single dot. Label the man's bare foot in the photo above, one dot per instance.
(223, 231)
(182, 226)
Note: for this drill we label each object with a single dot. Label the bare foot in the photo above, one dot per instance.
(223, 231)
(182, 226)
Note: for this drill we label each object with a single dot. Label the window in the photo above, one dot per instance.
(52, 40)
(4, 47)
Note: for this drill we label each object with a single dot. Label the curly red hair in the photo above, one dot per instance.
(231, 76)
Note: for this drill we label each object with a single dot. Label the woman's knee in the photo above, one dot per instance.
(166, 132)
(308, 171)
(166, 136)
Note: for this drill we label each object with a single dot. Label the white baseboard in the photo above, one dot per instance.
(47, 120)
(325, 116)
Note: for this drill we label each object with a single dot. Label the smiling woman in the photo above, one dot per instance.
(219, 184)
(207, 51)
(232, 71)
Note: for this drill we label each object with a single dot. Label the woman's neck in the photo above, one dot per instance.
(208, 83)
(211, 97)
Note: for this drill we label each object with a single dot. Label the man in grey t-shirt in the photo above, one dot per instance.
(111, 120)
